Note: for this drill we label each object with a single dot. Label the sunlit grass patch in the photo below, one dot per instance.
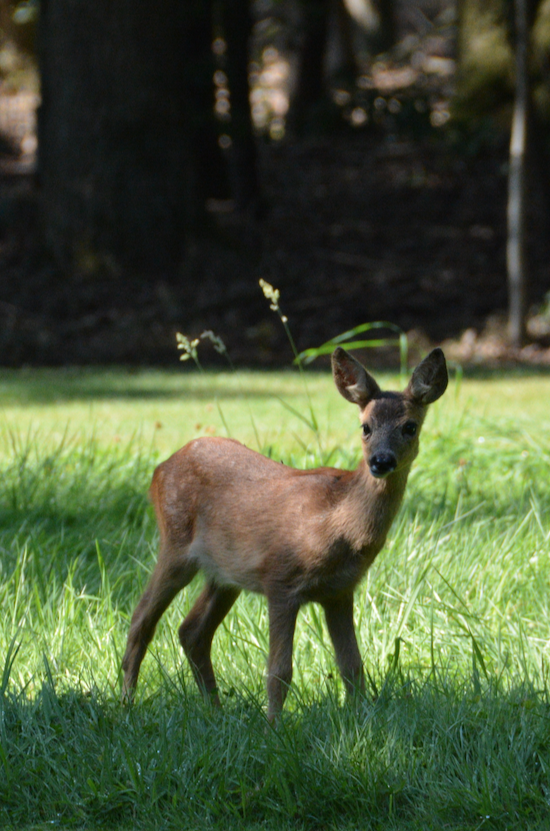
(453, 620)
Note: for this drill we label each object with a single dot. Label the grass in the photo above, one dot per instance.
(453, 620)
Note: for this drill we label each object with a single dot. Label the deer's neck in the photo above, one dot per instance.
(370, 506)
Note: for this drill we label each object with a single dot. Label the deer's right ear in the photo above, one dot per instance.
(352, 380)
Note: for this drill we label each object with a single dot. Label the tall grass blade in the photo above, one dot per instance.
(347, 339)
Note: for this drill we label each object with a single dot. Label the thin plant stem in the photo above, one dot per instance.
(273, 295)
(190, 350)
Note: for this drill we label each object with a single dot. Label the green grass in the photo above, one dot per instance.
(453, 619)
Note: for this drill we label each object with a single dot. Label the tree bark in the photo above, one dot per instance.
(208, 174)
(387, 33)
(524, 12)
(237, 26)
(310, 95)
(515, 248)
(112, 133)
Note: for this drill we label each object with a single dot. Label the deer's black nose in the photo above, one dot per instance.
(381, 464)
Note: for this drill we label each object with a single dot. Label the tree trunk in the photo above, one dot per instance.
(209, 174)
(112, 133)
(387, 36)
(342, 54)
(310, 99)
(515, 249)
(237, 26)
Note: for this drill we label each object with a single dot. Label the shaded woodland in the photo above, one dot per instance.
(355, 156)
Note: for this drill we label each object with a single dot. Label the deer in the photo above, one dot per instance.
(296, 536)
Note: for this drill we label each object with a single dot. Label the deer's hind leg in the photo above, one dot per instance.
(171, 574)
(197, 632)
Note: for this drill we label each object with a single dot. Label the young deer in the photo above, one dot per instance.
(293, 535)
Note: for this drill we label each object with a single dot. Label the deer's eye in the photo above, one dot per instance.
(410, 428)
(366, 430)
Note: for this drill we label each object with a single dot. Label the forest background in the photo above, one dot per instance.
(158, 161)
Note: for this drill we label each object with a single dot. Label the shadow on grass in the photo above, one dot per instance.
(427, 755)
(48, 386)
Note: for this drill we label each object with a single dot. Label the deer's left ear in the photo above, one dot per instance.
(429, 380)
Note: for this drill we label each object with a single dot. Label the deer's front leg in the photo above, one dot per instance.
(282, 623)
(339, 617)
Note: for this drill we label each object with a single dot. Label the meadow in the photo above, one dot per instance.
(453, 618)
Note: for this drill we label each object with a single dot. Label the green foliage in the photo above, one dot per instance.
(453, 621)
(486, 58)
(349, 340)
(485, 79)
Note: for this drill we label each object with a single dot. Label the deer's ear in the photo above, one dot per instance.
(429, 380)
(352, 380)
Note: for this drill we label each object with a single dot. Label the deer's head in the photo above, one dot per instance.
(390, 421)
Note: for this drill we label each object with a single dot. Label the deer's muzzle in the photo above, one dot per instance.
(382, 464)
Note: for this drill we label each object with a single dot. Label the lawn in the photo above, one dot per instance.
(453, 618)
